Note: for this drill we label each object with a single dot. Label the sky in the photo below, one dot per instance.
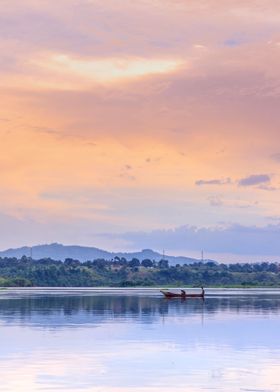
(134, 124)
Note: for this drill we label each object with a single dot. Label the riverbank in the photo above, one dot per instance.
(102, 273)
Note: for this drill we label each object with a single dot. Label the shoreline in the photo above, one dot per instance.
(16, 292)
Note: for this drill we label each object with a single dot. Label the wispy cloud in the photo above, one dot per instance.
(106, 70)
(276, 157)
(214, 182)
(255, 179)
(215, 201)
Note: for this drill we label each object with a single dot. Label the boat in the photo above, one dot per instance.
(169, 294)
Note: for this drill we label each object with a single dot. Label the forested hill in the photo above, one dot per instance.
(61, 252)
(122, 273)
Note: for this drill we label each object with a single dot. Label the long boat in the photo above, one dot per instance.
(169, 294)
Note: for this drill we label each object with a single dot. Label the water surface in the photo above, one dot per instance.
(135, 340)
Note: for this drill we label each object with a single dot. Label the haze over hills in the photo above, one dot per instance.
(83, 253)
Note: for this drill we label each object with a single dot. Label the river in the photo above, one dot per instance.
(124, 340)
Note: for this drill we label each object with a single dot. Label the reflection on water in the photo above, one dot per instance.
(138, 341)
(50, 311)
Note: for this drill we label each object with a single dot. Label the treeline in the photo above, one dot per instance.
(119, 272)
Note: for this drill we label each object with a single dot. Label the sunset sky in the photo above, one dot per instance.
(146, 123)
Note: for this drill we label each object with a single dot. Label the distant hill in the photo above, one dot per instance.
(83, 253)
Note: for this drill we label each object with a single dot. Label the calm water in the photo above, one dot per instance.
(131, 340)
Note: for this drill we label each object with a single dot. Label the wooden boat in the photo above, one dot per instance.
(169, 294)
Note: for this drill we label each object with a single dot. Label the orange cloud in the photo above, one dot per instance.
(108, 70)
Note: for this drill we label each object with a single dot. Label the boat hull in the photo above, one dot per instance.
(168, 294)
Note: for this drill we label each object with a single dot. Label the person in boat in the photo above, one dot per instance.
(183, 293)
(203, 291)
